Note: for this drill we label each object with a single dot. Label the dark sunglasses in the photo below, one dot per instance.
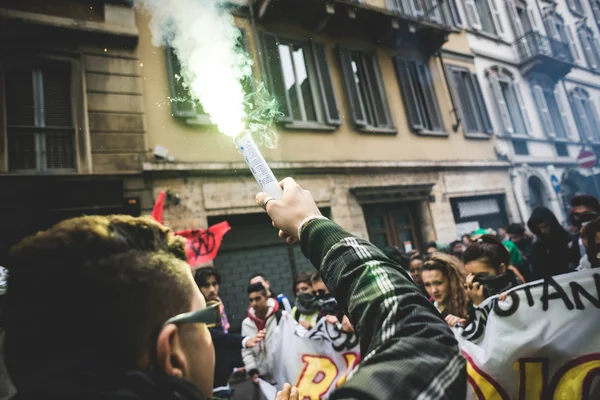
(211, 316)
(320, 292)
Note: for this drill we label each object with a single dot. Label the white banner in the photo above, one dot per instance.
(315, 361)
(543, 342)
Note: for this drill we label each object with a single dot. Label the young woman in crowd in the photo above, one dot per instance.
(443, 277)
(488, 263)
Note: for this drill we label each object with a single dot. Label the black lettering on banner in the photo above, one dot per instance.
(578, 290)
(514, 305)
(528, 295)
(203, 243)
(559, 294)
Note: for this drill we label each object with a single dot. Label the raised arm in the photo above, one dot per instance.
(407, 350)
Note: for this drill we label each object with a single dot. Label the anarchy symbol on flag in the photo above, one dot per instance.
(203, 243)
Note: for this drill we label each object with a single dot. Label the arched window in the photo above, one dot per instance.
(586, 114)
(509, 101)
(537, 193)
(575, 6)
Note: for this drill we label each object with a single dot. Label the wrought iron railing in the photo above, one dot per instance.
(439, 12)
(532, 44)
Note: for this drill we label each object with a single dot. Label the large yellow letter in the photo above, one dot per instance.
(573, 380)
(483, 385)
(533, 376)
(350, 359)
(317, 376)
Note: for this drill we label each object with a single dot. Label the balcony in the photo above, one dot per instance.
(539, 54)
(418, 24)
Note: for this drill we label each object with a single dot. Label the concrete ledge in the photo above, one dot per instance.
(320, 167)
(69, 23)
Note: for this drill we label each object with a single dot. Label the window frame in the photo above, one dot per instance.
(555, 125)
(476, 98)
(422, 115)
(81, 146)
(576, 7)
(585, 32)
(363, 124)
(320, 81)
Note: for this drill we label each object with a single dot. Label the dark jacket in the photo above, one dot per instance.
(225, 344)
(408, 351)
(134, 385)
(549, 254)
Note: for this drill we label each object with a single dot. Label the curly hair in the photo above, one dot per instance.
(453, 270)
(92, 291)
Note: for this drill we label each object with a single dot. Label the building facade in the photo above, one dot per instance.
(537, 62)
(72, 128)
(384, 121)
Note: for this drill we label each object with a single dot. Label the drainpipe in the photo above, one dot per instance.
(454, 110)
(257, 43)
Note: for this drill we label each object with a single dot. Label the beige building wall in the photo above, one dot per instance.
(189, 143)
(212, 180)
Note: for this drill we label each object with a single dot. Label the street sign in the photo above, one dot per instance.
(587, 159)
(555, 183)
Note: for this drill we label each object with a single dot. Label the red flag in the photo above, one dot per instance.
(159, 205)
(203, 244)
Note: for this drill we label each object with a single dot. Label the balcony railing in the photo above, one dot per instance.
(533, 44)
(435, 11)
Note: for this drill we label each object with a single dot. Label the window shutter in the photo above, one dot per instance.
(382, 111)
(409, 95)
(483, 111)
(563, 113)
(513, 15)
(596, 50)
(523, 107)
(532, 19)
(596, 130)
(506, 122)
(275, 75)
(434, 10)
(596, 10)
(580, 117)
(431, 102)
(394, 5)
(330, 105)
(182, 106)
(472, 15)
(587, 48)
(59, 149)
(354, 99)
(496, 17)
(551, 28)
(544, 112)
(573, 45)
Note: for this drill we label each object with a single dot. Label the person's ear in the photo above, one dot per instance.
(502, 268)
(169, 352)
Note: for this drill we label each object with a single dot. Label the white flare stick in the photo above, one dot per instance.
(257, 164)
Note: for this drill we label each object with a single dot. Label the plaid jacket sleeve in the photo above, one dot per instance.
(408, 351)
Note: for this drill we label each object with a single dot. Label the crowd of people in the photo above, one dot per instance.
(462, 274)
(107, 307)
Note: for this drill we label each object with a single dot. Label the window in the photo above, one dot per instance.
(561, 150)
(561, 33)
(538, 196)
(366, 94)
(591, 47)
(183, 104)
(483, 15)
(551, 111)
(419, 95)
(299, 76)
(586, 114)
(510, 105)
(471, 213)
(393, 225)
(443, 12)
(520, 147)
(467, 92)
(575, 6)
(40, 125)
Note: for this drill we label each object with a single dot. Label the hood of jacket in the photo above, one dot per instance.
(261, 323)
(544, 215)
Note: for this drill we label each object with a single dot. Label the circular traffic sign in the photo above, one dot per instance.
(587, 159)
